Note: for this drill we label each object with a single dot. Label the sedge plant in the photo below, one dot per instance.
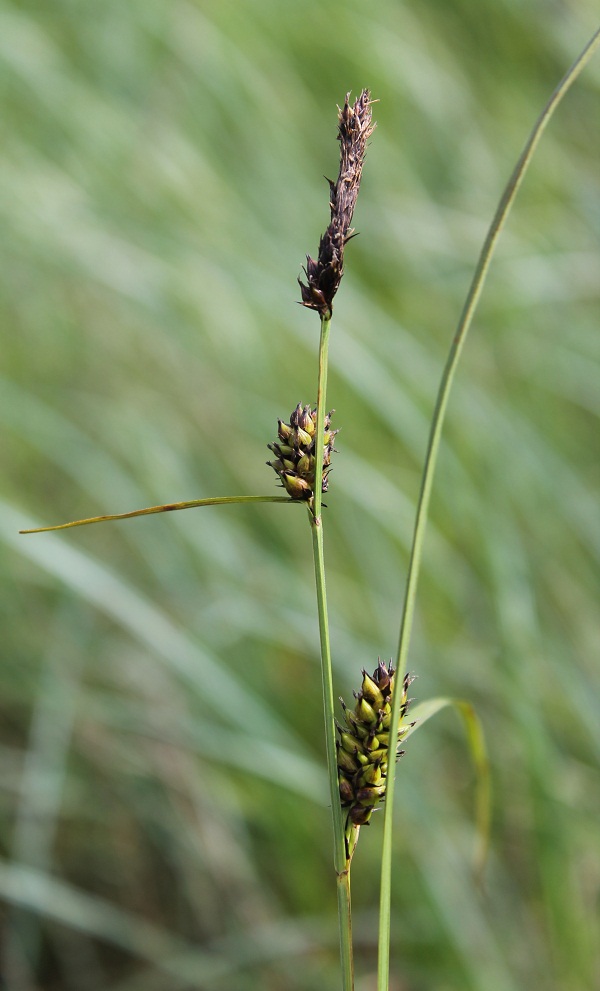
(362, 748)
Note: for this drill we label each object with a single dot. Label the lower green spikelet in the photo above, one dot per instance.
(363, 748)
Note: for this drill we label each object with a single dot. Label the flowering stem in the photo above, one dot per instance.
(464, 324)
(320, 425)
(342, 868)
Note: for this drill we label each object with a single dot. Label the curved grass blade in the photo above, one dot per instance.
(419, 714)
(466, 318)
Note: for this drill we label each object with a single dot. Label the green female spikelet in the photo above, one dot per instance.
(294, 451)
(364, 747)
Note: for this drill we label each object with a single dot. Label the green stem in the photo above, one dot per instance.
(169, 507)
(464, 324)
(345, 928)
(342, 867)
(320, 427)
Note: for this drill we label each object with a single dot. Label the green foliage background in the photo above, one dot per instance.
(164, 820)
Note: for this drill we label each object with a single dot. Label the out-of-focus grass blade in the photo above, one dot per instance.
(96, 917)
(40, 892)
(145, 621)
(251, 755)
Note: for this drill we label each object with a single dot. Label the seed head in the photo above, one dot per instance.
(294, 452)
(364, 749)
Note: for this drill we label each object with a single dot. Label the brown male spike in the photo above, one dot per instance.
(324, 275)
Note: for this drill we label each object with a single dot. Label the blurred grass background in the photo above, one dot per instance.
(163, 807)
